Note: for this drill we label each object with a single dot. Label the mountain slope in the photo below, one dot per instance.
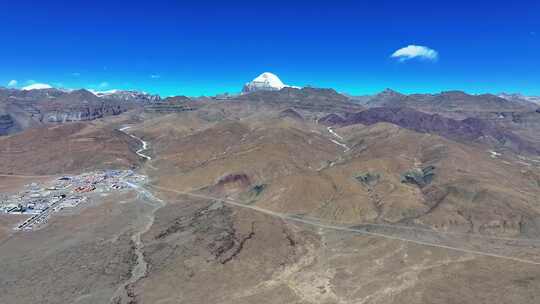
(22, 109)
(520, 98)
(454, 104)
(470, 129)
(309, 99)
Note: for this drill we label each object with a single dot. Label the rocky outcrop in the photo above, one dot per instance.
(310, 99)
(420, 177)
(129, 96)
(236, 180)
(7, 124)
(176, 100)
(171, 105)
(36, 107)
(290, 113)
(332, 119)
(368, 179)
(81, 114)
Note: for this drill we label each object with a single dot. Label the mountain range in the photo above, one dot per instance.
(520, 98)
(21, 109)
(501, 119)
(275, 195)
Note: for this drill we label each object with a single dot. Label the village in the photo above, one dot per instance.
(40, 201)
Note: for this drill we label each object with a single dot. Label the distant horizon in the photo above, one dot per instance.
(309, 86)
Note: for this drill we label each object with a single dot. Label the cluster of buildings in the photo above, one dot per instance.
(41, 200)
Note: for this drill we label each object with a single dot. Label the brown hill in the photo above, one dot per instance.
(311, 99)
(390, 176)
(66, 148)
(470, 129)
(305, 172)
(454, 104)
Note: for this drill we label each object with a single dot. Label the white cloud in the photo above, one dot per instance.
(155, 76)
(104, 84)
(415, 51)
(12, 83)
(37, 86)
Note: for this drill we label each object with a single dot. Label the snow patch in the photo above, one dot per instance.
(347, 148)
(265, 82)
(270, 80)
(494, 154)
(519, 97)
(334, 133)
(37, 86)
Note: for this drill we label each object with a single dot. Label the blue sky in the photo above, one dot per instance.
(209, 47)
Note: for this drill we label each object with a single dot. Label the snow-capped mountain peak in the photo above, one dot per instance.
(264, 82)
(126, 95)
(270, 80)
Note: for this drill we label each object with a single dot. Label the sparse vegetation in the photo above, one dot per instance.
(419, 176)
(368, 179)
(258, 189)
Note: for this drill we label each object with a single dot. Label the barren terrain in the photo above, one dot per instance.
(260, 203)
